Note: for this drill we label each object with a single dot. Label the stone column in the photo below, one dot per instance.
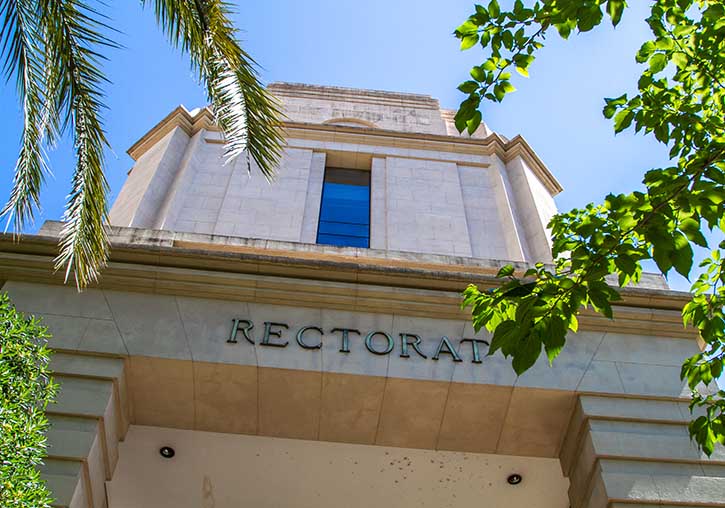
(627, 451)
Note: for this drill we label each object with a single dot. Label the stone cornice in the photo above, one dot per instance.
(311, 276)
(179, 117)
(491, 145)
(336, 93)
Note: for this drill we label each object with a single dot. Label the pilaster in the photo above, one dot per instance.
(90, 416)
(624, 451)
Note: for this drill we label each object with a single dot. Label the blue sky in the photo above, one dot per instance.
(389, 45)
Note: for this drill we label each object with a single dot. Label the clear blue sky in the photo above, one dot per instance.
(396, 45)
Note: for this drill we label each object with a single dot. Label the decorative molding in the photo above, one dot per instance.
(350, 120)
(491, 145)
(343, 94)
(179, 117)
(308, 275)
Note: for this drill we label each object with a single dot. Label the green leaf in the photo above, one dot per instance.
(488, 65)
(555, 337)
(508, 39)
(623, 119)
(680, 59)
(468, 86)
(506, 333)
(493, 9)
(468, 41)
(467, 28)
(564, 30)
(507, 87)
(527, 354)
(485, 38)
(521, 290)
(682, 254)
(478, 73)
(645, 51)
(691, 229)
(505, 271)
(573, 323)
(625, 264)
(498, 92)
(474, 122)
(615, 9)
(657, 63)
(661, 253)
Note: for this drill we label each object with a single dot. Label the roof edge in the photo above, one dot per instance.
(181, 118)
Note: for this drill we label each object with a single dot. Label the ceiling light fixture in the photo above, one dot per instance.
(514, 479)
(167, 452)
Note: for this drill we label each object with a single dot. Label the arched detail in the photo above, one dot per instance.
(350, 122)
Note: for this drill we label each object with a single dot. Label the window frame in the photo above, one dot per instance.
(320, 220)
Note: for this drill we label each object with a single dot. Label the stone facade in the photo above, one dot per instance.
(220, 328)
(433, 192)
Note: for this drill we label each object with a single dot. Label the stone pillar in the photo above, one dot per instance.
(624, 451)
(88, 419)
(313, 199)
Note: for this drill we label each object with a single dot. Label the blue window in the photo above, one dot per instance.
(345, 209)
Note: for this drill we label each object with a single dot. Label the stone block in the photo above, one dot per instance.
(208, 326)
(225, 398)
(150, 324)
(412, 413)
(602, 377)
(161, 391)
(568, 368)
(652, 380)
(57, 300)
(431, 332)
(359, 360)
(627, 348)
(351, 407)
(473, 417)
(536, 422)
(289, 403)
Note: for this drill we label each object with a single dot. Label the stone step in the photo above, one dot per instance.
(64, 478)
(77, 439)
(95, 399)
(86, 422)
(89, 417)
(99, 368)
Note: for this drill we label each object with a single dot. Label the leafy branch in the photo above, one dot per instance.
(53, 50)
(683, 109)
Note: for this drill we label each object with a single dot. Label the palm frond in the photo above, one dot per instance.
(247, 114)
(22, 57)
(72, 31)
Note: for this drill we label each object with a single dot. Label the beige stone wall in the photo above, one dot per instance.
(233, 470)
(424, 207)
(149, 182)
(149, 346)
(434, 205)
(435, 199)
(535, 207)
(364, 108)
(195, 329)
(612, 408)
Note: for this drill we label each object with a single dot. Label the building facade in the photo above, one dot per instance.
(301, 343)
